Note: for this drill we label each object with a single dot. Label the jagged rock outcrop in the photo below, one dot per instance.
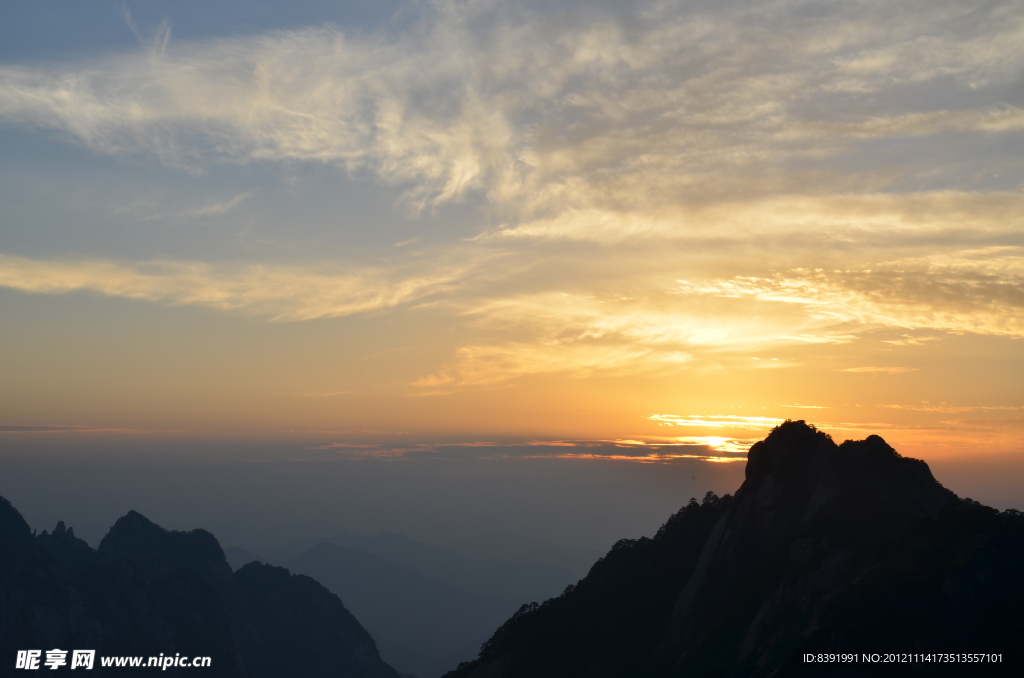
(824, 546)
(147, 590)
(809, 519)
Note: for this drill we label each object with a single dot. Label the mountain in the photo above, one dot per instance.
(428, 608)
(824, 547)
(148, 591)
(420, 622)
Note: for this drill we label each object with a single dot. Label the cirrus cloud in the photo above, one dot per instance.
(283, 293)
(680, 103)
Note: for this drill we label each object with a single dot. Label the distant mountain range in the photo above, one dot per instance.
(824, 548)
(149, 592)
(428, 608)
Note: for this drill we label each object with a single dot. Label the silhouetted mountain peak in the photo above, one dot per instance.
(810, 515)
(800, 484)
(74, 553)
(156, 550)
(793, 445)
(798, 469)
(824, 545)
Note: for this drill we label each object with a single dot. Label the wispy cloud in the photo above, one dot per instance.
(765, 424)
(218, 208)
(910, 340)
(317, 394)
(944, 408)
(642, 449)
(950, 301)
(540, 114)
(156, 43)
(11, 428)
(99, 430)
(149, 211)
(976, 291)
(582, 335)
(285, 293)
(716, 421)
(489, 365)
(651, 457)
(880, 370)
(864, 217)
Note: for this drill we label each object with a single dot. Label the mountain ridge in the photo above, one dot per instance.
(815, 532)
(147, 591)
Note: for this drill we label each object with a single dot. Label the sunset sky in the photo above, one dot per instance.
(583, 228)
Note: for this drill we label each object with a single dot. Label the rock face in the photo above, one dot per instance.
(147, 591)
(824, 546)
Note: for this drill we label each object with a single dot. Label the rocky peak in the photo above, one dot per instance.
(810, 516)
(157, 551)
(74, 553)
(792, 447)
(868, 492)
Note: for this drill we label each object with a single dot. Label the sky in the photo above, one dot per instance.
(549, 234)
